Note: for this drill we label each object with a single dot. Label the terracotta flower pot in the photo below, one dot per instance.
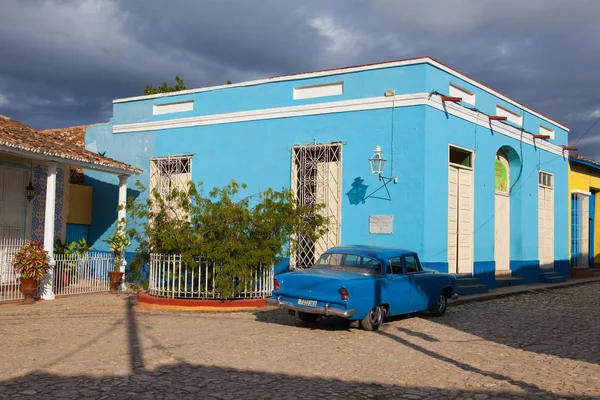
(115, 281)
(28, 288)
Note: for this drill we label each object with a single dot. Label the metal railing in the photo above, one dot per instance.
(170, 277)
(82, 273)
(10, 284)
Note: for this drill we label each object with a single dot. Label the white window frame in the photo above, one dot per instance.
(320, 90)
(458, 91)
(450, 146)
(510, 115)
(171, 108)
(544, 130)
(542, 182)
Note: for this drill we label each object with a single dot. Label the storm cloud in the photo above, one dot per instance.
(62, 62)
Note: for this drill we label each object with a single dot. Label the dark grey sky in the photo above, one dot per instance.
(62, 62)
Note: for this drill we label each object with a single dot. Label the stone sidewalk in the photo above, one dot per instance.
(541, 344)
(519, 289)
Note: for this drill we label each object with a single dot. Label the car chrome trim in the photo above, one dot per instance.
(327, 310)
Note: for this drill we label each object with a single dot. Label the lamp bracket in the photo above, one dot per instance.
(385, 181)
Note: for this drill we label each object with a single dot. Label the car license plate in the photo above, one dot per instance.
(307, 303)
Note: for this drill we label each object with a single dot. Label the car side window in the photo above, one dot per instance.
(412, 264)
(395, 266)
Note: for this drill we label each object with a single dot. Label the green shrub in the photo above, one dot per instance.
(237, 235)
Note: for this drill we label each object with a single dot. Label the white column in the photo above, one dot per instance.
(121, 215)
(46, 289)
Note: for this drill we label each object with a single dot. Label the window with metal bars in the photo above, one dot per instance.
(169, 173)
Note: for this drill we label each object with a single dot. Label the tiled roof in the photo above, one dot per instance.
(577, 157)
(58, 144)
(73, 134)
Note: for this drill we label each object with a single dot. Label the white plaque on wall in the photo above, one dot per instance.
(381, 224)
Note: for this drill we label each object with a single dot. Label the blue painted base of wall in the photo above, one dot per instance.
(562, 267)
(436, 266)
(485, 271)
(527, 270)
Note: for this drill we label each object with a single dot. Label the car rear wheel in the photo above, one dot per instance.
(440, 306)
(307, 317)
(373, 320)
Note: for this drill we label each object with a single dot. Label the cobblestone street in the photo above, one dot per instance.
(543, 344)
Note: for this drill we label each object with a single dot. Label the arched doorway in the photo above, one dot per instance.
(502, 213)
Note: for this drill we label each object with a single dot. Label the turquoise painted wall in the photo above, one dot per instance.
(414, 139)
(439, 80)
(357, 85)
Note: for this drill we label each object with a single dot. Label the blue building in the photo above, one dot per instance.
(470, 180)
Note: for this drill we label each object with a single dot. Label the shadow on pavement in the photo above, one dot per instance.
(560, 322)
(185, 381)
(281, 317)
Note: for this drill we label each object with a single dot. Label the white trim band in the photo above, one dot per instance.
(372, 103)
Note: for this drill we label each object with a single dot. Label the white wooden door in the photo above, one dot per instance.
(465, 221)
(452, 219)
(546, 226)
(460, 220)
(502, 232)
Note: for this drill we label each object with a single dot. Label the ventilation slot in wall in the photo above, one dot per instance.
(546, 131)
(510, 115)
(168, 108)
(466, 95)
(310, 92)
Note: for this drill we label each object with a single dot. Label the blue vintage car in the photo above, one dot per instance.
(364, 283)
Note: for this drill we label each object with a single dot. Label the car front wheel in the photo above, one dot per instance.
(373, 320)
(440, 306)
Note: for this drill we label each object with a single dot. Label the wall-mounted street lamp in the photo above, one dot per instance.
(377, 162)
(29, 192)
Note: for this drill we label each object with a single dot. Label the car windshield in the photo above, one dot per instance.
(349, 262)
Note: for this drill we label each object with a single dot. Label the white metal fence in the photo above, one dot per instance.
(73, 273)
(10, 284)
(82, 273)
(170, 277)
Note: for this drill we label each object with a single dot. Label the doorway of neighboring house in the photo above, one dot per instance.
(581, 237)
(13, 213)
(591, 224)
(546, 220)
(502, 214)
(13, 204)
(460, 211)
(317, 179)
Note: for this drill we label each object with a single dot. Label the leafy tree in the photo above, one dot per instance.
(165, 88)
(228, 82)
(237, 236)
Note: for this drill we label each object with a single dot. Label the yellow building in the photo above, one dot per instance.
(584, 216)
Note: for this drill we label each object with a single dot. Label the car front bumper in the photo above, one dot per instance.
(327, 310)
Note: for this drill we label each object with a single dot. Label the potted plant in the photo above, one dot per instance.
(31, 262)
(117, 242)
